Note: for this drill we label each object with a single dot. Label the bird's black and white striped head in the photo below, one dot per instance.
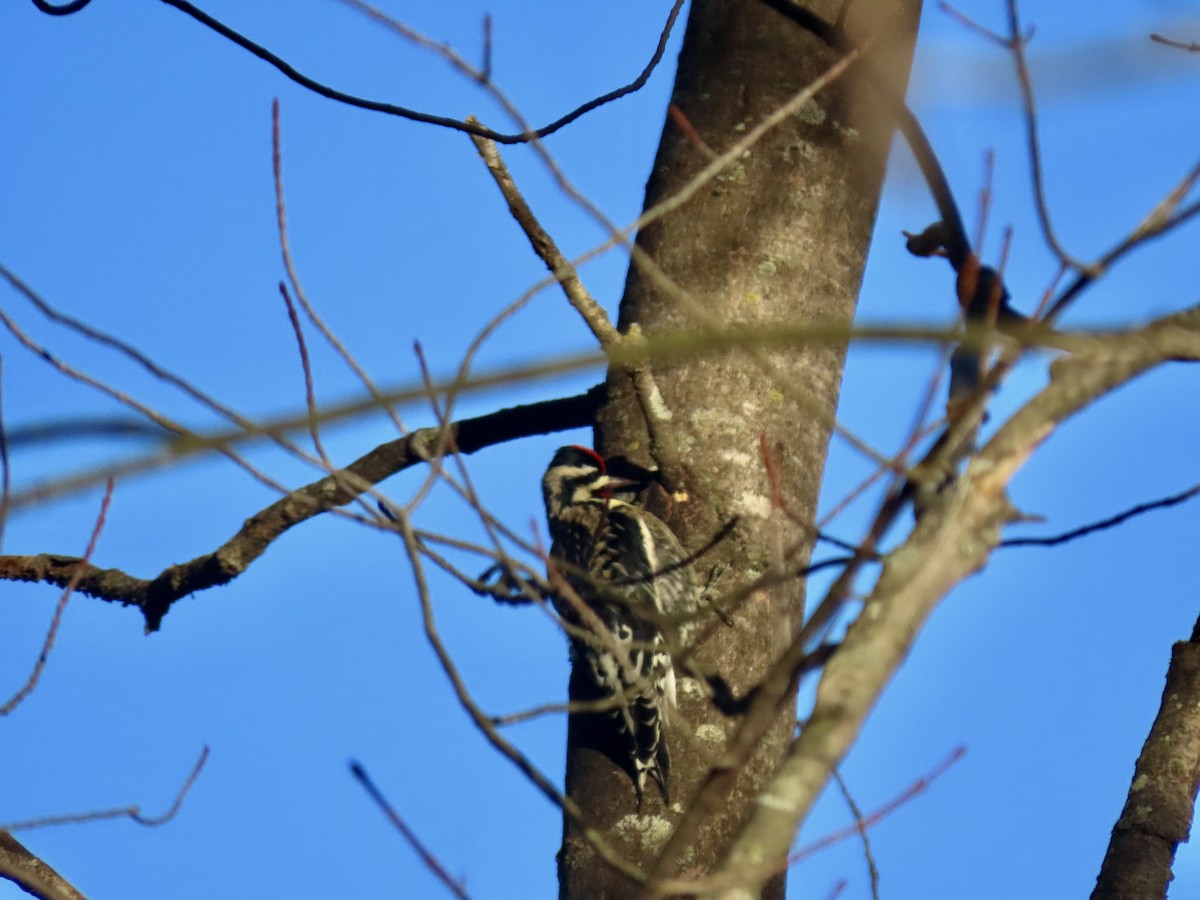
(576, 476)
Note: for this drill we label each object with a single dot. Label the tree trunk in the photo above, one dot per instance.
(780, 236)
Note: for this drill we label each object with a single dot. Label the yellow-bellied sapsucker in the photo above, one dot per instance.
(632, 575)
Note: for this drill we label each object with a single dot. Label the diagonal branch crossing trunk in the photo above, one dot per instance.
(780, 236)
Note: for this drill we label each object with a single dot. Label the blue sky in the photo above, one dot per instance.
(137, 195)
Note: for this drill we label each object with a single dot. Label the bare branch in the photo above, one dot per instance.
(485, 70)
(483, 76)
(949, 543)
(83, 427)
(1190, 46)
(48, 644)
(154, 597)
(431, 862)
(663, 448)
(133, 812)
(64, 9)
(1104, 524)
(864, 822)
(181, 433)
(132, 353)
(543, 244)
(1165, 217)
(484, 722)
(860, 825)
(5, 467)
(31, 874)
(1158, 812)
(664, 347)
(294, 278)
(1016, 44)
(310, 396)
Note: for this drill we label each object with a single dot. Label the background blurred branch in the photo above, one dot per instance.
(155, 596)
(949, 543)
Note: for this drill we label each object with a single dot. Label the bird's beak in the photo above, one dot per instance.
(613, 483)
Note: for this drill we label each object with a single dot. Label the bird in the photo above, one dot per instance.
(630, 578)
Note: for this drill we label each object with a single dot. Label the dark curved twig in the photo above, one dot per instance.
(391, 108)
(65, 10)
(1104, 524)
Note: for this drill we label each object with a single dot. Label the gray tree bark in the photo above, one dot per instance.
(780, 236)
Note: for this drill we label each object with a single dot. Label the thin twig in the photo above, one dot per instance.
(1104, 524)
(183, 435)
(567, 276)
(1016, 44)
(528, 134)
(82, 428)
(131, 352)
(310, 396)
(431, 862)
(436, 449)
(1163, 218)
(484, 723)
(289, 266)
(861, 825)
(985, 199)
(154, 597)
(403, 112)
(133, 812)
(61, 608)
(1190, 46)
(64, 9)
(485, 70)
(5, 468)
(665, 347)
